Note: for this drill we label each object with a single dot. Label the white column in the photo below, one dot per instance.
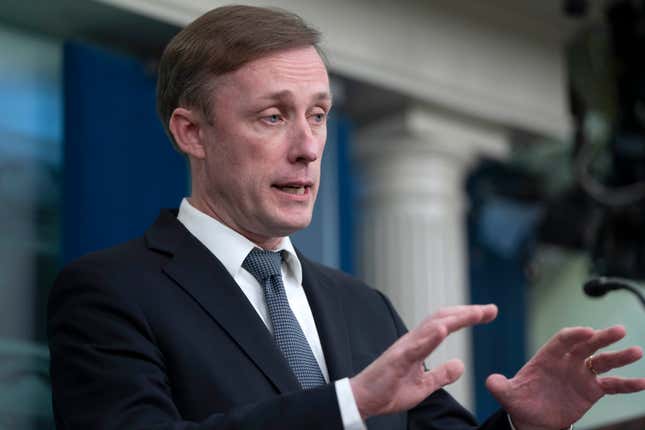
(412, 226)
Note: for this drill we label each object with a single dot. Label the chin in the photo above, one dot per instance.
(292, 225)
(292, 228)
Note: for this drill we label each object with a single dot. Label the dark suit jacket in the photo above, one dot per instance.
(155, 334)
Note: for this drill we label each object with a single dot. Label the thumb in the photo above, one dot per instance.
(497, 384)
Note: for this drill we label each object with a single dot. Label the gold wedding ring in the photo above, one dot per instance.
(589, 364)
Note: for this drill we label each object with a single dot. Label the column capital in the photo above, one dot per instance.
(421, 131)
(419, 158)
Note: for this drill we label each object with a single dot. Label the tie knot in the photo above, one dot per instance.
(263, 264)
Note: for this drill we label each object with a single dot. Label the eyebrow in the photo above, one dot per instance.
(286, 95)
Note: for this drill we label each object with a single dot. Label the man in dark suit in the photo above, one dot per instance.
(212, 320)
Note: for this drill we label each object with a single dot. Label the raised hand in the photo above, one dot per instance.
(397, 380)
(559, 384)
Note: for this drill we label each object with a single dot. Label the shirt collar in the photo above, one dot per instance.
(230, 247)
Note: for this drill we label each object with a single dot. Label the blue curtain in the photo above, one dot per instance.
(502, 232)
(119, 166)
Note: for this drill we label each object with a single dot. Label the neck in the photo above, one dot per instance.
(267, 243)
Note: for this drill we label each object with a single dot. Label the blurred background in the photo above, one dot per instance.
(478, 152)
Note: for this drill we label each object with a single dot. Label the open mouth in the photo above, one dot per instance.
(295, 189)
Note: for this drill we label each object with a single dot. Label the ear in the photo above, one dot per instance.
(186, 127)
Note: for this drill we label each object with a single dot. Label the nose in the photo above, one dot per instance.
(305, 142)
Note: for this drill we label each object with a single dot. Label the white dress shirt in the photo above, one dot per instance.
(231, 248)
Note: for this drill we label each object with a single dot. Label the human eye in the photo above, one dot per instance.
(273, 118)
(318, 117)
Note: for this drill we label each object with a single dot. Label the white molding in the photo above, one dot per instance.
(171, 11)
(492, 63)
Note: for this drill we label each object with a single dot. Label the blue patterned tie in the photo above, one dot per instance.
(265, 267)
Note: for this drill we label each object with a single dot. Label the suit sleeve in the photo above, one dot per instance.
(440, 411)
(108, 372)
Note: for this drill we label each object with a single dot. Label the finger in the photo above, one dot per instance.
(490, 312)
(425, 338)
(600, 339)
(566, 339)
(443, 375)
(606, 361)
(468, 316)
(617, 385)
(418, 344)
(497, 384)
(459, 309)
(450, 310)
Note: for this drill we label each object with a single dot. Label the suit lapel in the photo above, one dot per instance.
(206, 280)
(328, 313)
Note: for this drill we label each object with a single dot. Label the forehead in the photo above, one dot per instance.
(300, 71)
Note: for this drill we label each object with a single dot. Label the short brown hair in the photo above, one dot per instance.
(221, 41)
